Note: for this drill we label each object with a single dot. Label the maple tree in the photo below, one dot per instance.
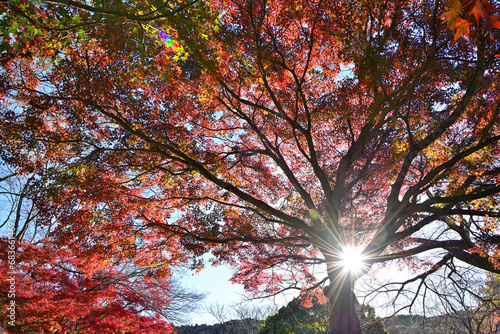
(271, 134)
(52, 296)
(57, 290)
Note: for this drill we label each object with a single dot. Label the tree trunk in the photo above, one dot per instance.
(343, 318)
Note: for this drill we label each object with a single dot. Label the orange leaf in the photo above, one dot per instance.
(478, 10)
(461, 28)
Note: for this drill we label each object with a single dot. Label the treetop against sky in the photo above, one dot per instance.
(158, 132)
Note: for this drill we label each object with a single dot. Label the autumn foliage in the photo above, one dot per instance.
(270, 134)
(480, 14)
(53, 296)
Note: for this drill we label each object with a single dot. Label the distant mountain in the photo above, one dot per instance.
(245, 326)
(401, 324)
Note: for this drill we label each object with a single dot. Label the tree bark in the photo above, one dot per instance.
(343, 318)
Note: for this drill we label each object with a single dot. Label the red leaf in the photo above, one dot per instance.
(495, 21)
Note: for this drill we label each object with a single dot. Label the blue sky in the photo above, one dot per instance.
(214, 281)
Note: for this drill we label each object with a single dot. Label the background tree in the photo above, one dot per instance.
(58, 290)
(274, 134)
(219, 312)
(487, 315)
(244, 319)
(53, 296)
(471, 302)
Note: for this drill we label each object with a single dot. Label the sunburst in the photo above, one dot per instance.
(353, 259)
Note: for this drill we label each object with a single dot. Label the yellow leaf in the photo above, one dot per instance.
(451, 17)
(454, 5)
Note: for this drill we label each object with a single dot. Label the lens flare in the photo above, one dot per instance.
(169, 42)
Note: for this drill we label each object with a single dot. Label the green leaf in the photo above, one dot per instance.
(77, 19)
(15, 26)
